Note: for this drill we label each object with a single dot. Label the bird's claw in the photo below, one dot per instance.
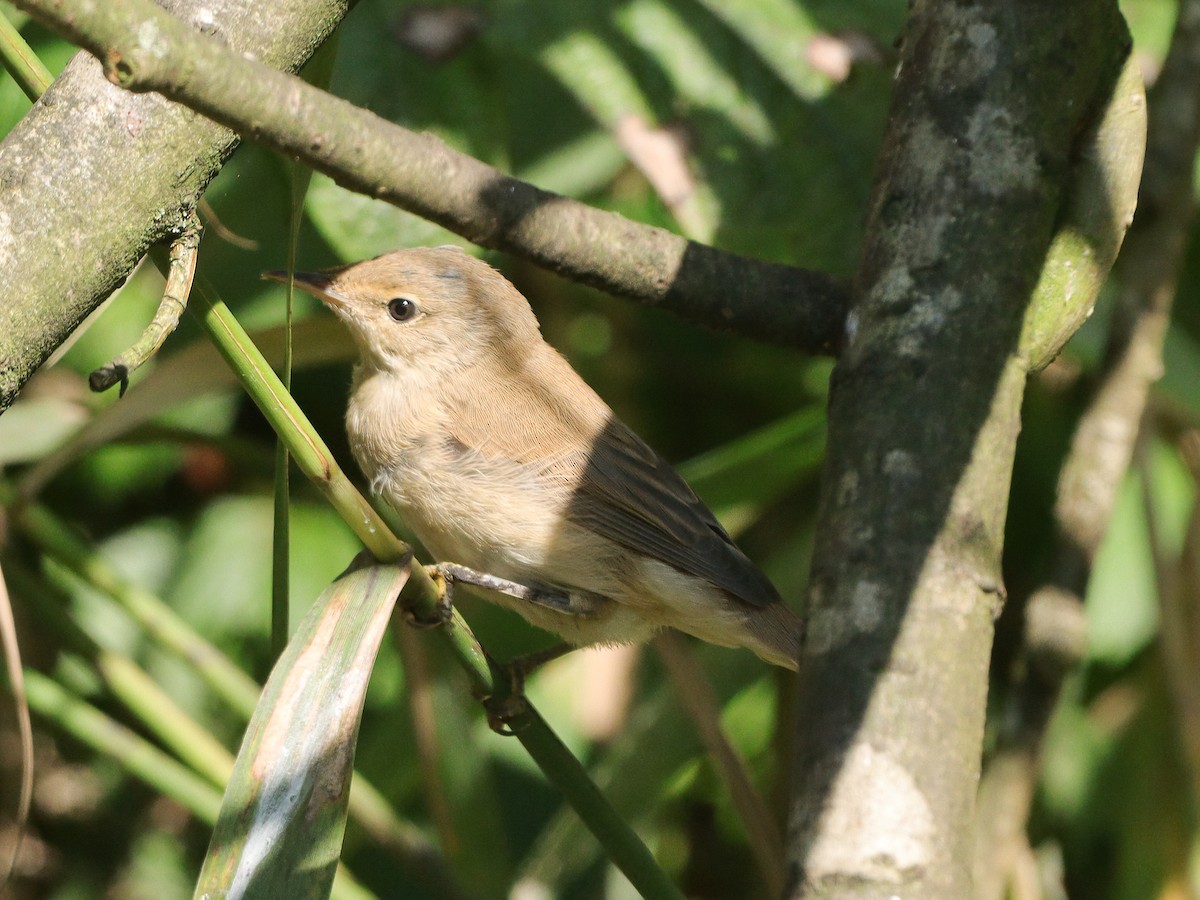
(503, 712)
(507, 710)
(443, 612)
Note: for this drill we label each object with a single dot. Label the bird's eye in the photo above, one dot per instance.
(402, 309)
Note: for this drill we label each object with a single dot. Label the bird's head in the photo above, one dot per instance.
(434, 308)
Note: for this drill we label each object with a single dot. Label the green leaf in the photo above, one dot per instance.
(740, 477)
(280, 829)
(33, 428)
(1122, 596)
(1122, 613)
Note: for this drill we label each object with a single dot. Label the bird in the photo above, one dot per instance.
(502, 460)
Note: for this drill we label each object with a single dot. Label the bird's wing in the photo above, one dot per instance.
(630, 495)
(623, 490)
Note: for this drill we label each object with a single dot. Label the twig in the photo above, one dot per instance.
(21, 62)
(181, 271)
(220, 229)
(16, 683)
(698, 698)
(144, 48)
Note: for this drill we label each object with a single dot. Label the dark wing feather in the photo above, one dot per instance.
(631, 496)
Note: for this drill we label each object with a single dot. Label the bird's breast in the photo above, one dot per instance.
(466, 506)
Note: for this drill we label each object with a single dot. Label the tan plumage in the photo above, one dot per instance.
(502, 459)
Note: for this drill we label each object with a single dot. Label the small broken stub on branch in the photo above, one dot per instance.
(106, 376)
(181, 271)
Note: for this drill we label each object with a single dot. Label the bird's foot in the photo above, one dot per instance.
(505, 711)
(443, 612)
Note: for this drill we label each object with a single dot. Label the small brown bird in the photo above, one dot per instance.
(502, 459)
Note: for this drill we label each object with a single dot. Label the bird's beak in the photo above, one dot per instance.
(315, 283)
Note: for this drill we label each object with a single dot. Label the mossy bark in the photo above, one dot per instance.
(992, 106)
(94, 175)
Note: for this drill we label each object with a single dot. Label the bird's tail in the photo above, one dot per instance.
(774, 632)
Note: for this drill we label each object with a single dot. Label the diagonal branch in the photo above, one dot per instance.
(143, 48)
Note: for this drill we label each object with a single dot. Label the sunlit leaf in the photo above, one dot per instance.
(280, 829)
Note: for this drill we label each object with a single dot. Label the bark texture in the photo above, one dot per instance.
(991, 103)
(94, 175)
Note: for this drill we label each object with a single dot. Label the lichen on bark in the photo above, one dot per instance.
(93, 176)
(990, 106)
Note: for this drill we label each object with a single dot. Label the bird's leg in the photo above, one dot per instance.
(505, 708)
(504, 711)
(529, 663)
(441, 614)
(574, 603)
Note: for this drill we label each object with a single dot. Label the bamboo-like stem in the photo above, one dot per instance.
(128, 682)
(21, 62)
(231, 684)
(135, 754)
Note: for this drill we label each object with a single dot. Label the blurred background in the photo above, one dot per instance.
(753, 126)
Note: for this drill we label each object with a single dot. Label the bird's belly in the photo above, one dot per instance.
(497, 517)
(503, 524)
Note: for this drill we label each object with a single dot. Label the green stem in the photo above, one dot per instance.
(21, 62)
(281, 531)
(315, 460)
(134, 753)
(230, 683)
(280, 541)
(127, 681)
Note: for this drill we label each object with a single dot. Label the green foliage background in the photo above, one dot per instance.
(783, 157)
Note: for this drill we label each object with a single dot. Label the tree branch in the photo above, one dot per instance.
(1055, 632)
(144, 48)
(93, 176)
(987, 119)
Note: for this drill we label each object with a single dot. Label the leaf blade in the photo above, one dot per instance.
(281, 824)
